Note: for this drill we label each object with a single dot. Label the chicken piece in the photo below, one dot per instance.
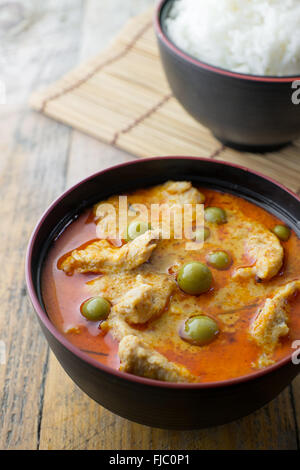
(137, 358)
(136, 296)
(114, 286)
(182, 192)
(229, 320)
(177, 187)
(173, 196)
(272, 321)
(101, 257)
(265, 248)
(145, 302)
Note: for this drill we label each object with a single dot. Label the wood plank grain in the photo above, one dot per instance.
(76, 419)
(33, 159)
(40, 407)
(70, 420)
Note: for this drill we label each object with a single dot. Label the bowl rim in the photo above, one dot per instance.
(43, 317)
(219, 70)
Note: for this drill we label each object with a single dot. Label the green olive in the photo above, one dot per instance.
(215, 215)
(95, 309)
(194, 278)
(201, 234)
(282, 232)
(200, 330)
(136, 228)
(219, 259)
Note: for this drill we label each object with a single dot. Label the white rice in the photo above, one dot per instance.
(260, 37)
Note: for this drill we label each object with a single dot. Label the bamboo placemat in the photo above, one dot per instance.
(122, 98)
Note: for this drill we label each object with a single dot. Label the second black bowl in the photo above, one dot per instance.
(248, 112)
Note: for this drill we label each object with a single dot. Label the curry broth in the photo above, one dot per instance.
(233, 304)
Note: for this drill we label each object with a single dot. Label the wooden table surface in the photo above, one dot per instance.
(40, 407)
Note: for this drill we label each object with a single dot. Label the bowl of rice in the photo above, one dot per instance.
(234, 65)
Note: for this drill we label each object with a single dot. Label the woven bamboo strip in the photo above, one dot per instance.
(122, 97)
(279, 170)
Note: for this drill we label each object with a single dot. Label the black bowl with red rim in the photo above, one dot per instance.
(146, 401)
(248, 112)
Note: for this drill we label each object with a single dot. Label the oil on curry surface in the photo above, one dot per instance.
(155, 323)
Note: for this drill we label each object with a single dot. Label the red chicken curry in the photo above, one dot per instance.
(219, 312)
